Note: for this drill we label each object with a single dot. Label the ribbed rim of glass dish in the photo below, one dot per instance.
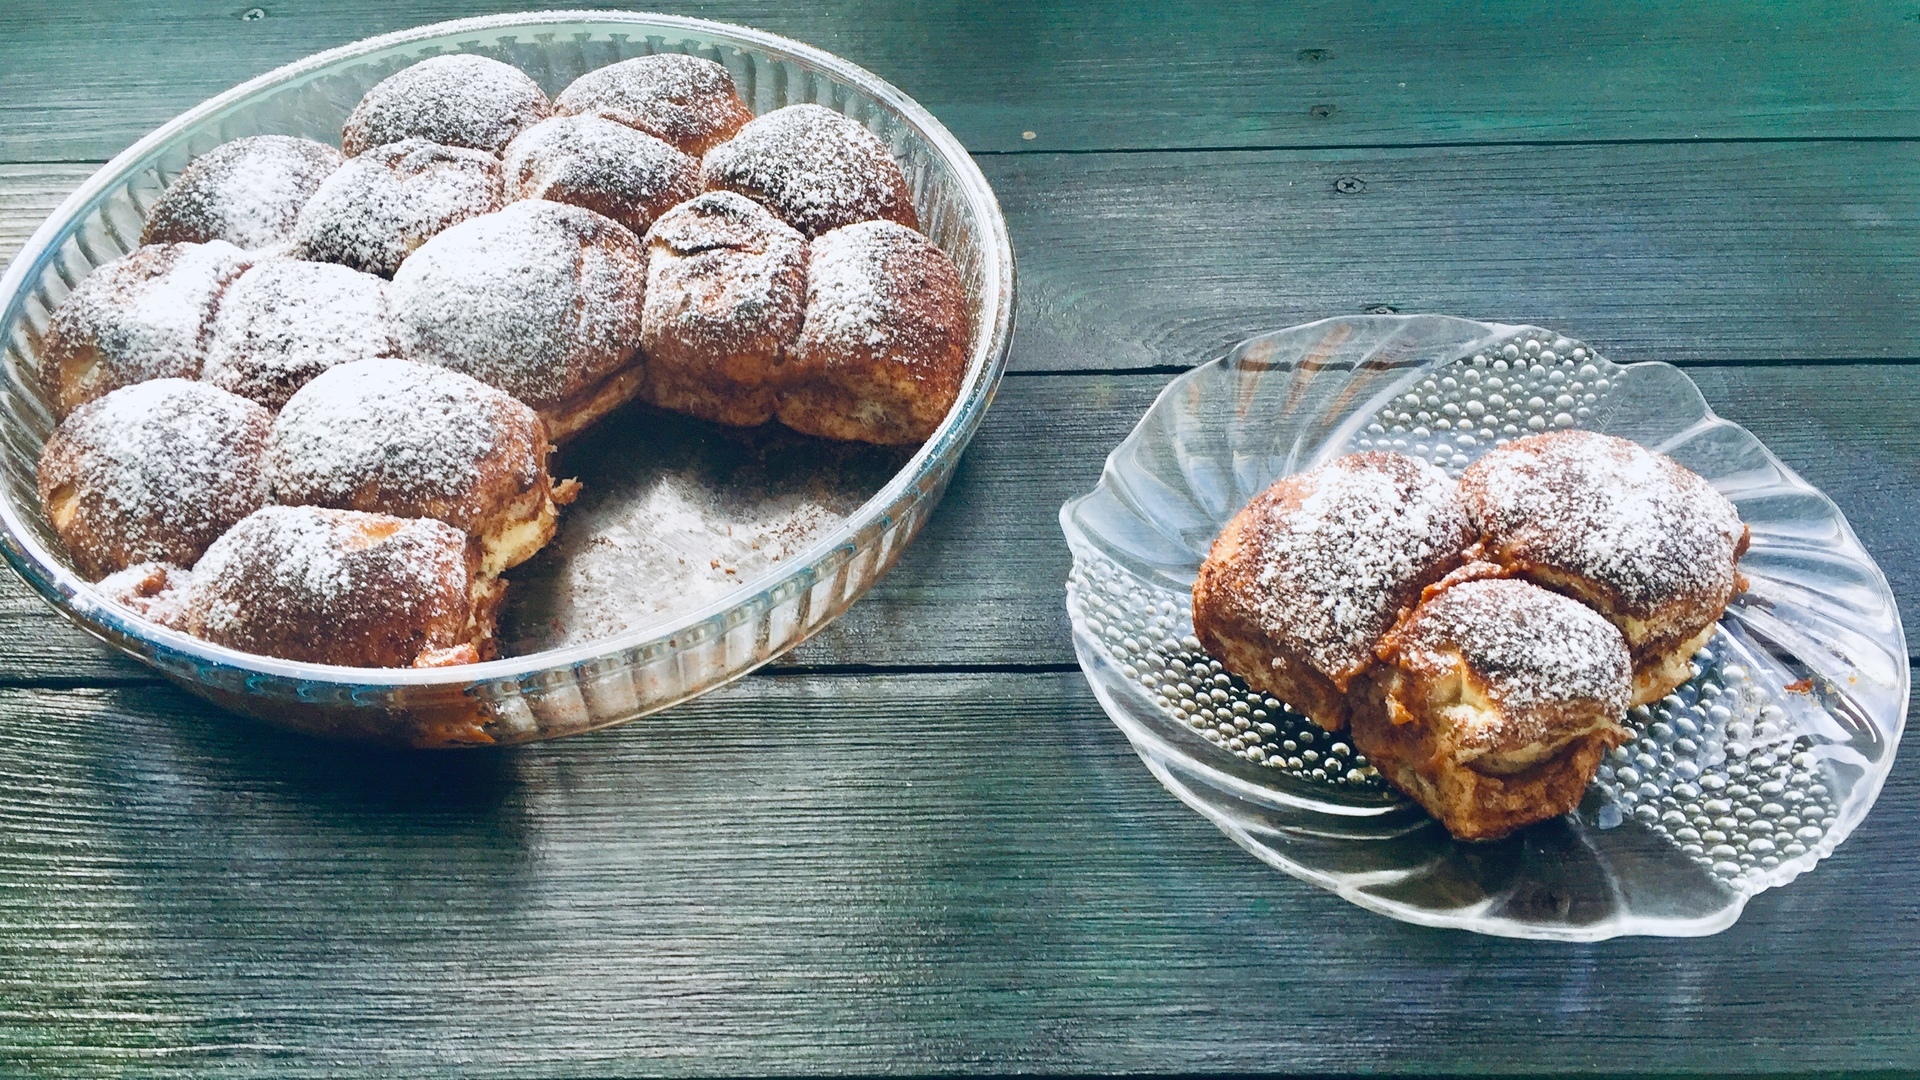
(74, 596)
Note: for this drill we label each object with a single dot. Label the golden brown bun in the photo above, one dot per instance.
(609, 168)
(142, 317)
(286, 320)
(343, 587)
(153, 472)
(541, 300)
(155, 591)
(688, 102)
(1300, 586)
(726, 292)
(377, 208)
(247, 192)
(1626, 531)
(814, 168)
(1493, 703)
(455, 100)
(412, 440)
(883, 349)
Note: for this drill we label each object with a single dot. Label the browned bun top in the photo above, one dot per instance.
(1550, 664)
(377, 208)
(454, 100)
(153, 472)
(816, 169)
(1330, 557)
(541, 300)
(142, 317)
(247, 192)
(286, 320)
(685, 100)
(402, 438)
(335, 587)
(608, 168)
(1645, 532)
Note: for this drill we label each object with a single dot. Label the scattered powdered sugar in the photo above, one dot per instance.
(724, 277)
(285, 321)
(1608, 510)
(411, 434)
(1337, 563)
(685, 100)
(156, 470)
(608, 168)
(1532, 647)
(158, 592)
(454, 100)
(377, 208)
(541, 300)
(879, 288)
(142, 317)
(247, 192)
(816, 169)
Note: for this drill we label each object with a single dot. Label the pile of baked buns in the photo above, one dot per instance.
(310, 417)
(1482, 639)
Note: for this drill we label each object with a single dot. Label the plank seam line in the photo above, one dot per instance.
(1261, 148)
(1752, 362)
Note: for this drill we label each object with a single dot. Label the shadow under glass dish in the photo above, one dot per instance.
(1739, 781)
(806, 528)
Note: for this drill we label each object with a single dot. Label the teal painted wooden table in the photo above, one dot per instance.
(916, 843)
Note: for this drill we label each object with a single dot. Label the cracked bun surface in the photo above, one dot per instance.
(685, 101)
(608, 168)
(285, 321)
(814, 168)
(377, 208)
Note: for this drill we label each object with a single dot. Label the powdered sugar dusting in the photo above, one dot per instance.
(816, 169)
(156, 471)
(1609, 510)
(608, 168)
(724, 276)
(456, 100)
(1337, 564)
(377, 208)
(685, 100)
(285, 321)
(247, 192)
(541, 300)
(880, 287)
(1532, 647)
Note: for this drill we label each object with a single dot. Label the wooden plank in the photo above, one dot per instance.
(983, 585)
(815, 875)
(81, 80)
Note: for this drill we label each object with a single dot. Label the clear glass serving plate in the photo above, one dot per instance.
(627, 638)
(1740, 781)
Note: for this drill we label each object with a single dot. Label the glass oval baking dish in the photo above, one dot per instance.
(656, 659)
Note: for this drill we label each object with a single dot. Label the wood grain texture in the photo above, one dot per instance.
(76, 84)
(808, 874)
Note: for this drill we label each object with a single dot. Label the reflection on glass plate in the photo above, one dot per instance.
(1739, 781)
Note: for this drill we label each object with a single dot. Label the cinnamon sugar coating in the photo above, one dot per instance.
(541, 300)
(454, 100)
(155, 591)
(247, 192)
(726, 293)
(1301, 585)
(146, 316)
(883, 349)
(287, 320)
(377, 208)
(814, 168)
(608, 168)
(687, 101)
(1493, 703)
(153, 472)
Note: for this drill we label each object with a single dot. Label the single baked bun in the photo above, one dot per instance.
(608, 168)
(155, 591)
(1626, 531)
(377, 208)
(726, 290)
(541, 300)
(1303, 582)
(153, 472)
(395, 437)
(143, 317)
(684, 100)
(286, 320)
(814, 168)
(454, 100)
(1493, 703)
(883, 350)
(342, 587)
(247, 192)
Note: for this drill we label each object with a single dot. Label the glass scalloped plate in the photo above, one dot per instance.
(1740, 781)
